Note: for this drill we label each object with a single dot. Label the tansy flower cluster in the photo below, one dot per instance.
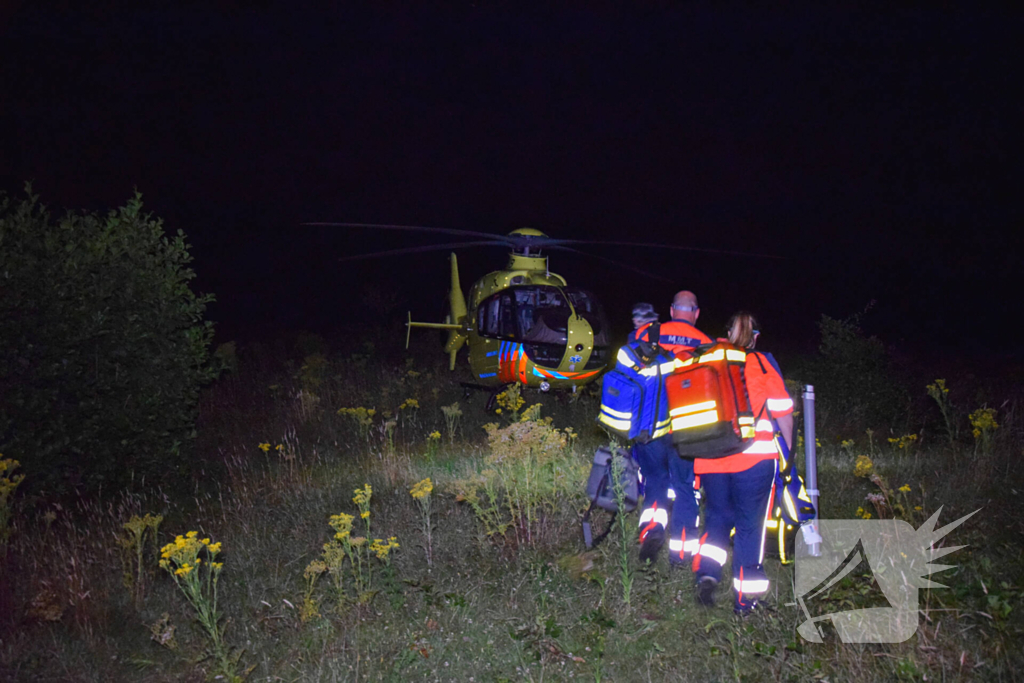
(863, 467)
(8, 480)
(904, 442)
(983, 421)
(510, 400)
(937, 390)
(422, 489)
(182, 556)
(435, 436)
(362, 416)
(362, 496)
(409, 403)
(383, 548)
(342, 525)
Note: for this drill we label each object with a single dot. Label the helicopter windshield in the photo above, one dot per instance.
(542, 313)
(539, 314)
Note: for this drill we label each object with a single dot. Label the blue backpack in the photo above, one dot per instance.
(634, 405)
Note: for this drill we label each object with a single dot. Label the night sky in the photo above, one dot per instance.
(878, 150)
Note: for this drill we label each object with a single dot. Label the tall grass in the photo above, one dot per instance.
(524, 604)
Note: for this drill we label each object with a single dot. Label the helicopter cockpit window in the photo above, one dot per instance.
(496, 316)
(542, 314)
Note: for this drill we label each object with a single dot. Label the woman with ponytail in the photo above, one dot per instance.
(738, 487)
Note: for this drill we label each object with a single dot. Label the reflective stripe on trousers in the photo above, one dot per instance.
(655, 514)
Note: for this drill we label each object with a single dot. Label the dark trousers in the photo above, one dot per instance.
(737, 500)
(653, 458)
(685, 521)
(663, 469)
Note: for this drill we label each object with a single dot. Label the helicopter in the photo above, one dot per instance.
(523, 324)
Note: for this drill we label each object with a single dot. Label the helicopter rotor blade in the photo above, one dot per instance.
(415, 228)
(420, 250)
(551, 244)
(617, 264)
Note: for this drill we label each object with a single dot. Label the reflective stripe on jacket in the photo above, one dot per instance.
(767, 392)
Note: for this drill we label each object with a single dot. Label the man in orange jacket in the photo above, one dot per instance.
(659, 461)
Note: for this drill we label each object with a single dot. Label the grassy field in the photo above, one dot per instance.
(522, 603)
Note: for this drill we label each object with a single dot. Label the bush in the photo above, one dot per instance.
(103, 346)
(856, 382)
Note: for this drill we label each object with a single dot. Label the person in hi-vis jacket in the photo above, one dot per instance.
(738, 488)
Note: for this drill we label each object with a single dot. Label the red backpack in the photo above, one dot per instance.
(708, 403)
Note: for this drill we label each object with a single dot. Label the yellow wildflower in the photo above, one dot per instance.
(192, 534)
(362, 496)
(358, 541)
(279, 447)
(435, 435)
(364, 515)
(422, 489)
(264, 447)
(905, 488)
(315, 568)
(863, 466)
(918, 508)
(380, 548)
(983, 421)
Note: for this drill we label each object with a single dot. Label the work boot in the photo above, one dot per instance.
(706, 586)
(653, 540)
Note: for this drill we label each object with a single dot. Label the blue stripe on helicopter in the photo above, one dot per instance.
(488, 374)
(555, 375)
(491, 353)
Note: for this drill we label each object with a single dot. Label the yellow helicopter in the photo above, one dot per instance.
(524, 324)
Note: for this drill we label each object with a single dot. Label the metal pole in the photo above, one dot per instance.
(811, 535)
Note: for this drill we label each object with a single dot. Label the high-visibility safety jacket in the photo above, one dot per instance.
(767, 393)
(675, 336)
(633, 400)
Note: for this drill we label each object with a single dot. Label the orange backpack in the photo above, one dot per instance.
(708, 403)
